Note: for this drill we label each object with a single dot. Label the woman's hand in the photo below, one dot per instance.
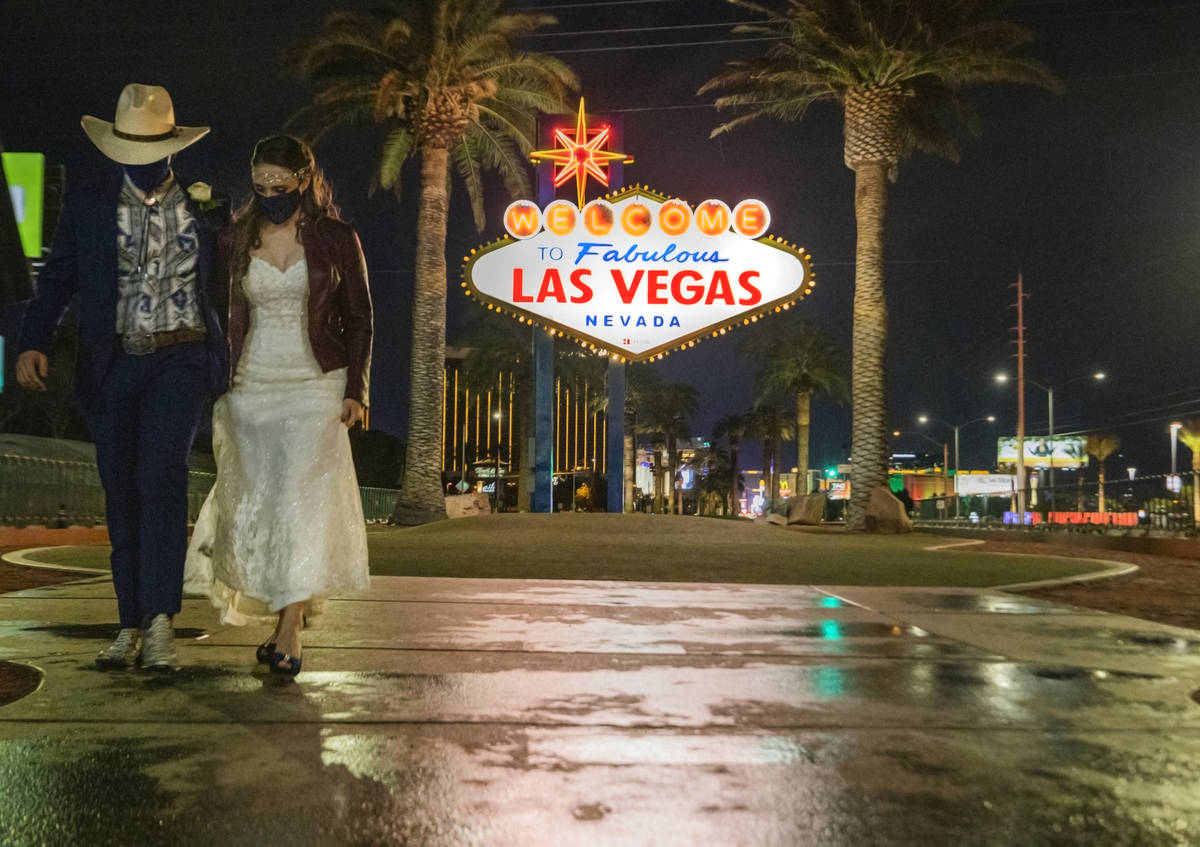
(352, 412)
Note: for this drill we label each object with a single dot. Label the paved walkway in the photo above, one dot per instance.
(514, 712)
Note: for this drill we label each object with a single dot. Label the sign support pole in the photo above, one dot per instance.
(543, 376)
(614, 449)
(543, 421)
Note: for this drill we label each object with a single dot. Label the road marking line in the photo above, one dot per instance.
(954, 544)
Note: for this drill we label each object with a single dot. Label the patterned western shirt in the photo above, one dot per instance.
(157, 244)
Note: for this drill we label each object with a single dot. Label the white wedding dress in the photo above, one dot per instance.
(284, 522)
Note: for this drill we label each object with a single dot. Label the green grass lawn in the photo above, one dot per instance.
(657, 548)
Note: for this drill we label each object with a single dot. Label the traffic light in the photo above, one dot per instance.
(831, 472)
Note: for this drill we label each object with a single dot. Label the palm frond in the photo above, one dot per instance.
(397, 147)
(467, 162)
(922, 49)
(384, 65)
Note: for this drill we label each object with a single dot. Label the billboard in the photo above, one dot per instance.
(25, 174)
(1043, 452)
(637, 273)
(985, 484)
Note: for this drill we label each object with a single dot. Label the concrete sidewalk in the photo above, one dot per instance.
(519, 712)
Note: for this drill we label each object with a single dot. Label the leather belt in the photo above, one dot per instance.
(143, 343)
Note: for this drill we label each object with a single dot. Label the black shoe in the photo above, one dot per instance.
(267, 649)
(285, 665)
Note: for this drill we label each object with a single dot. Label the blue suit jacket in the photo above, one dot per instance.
(83, 260)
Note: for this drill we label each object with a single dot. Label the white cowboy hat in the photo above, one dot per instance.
(144, 130)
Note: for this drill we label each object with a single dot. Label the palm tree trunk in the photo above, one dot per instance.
(733, 475)
(769, 471)
(1195, 487)
(421, 499)
(673, 492)
(658, 481)
(525, 479)
(803, 426)
(629, 466)
(869, 457)
(1103, 508)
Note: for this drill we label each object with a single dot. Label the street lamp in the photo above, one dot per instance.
(945, 454)
(1175, 443)
(956, 427)
(1098, 376)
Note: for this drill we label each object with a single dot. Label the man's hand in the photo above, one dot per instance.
(32, 368)
(352, 412)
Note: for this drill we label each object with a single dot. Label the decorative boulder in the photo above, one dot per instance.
(468, 505)
(885, 513)
(807, 509)
(772, 519)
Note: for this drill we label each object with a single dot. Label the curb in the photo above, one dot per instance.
(21, 558)
(1113, 569)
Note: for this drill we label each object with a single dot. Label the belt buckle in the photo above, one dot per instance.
(138, 343)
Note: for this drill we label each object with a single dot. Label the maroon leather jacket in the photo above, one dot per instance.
(339, 303)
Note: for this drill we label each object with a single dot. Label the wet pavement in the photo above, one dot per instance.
(521, 712)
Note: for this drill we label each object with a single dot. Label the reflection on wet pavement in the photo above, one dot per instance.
(530, 713)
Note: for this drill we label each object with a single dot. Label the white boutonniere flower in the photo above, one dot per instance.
(201, 194)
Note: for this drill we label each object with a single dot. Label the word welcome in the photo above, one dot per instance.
(749, 218)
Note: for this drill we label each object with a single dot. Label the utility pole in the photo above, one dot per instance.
(957, 499)
(946, 470)
(1020, 400)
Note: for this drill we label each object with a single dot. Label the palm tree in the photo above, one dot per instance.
(669, 413)
(499, 345)
(445, 80)
(1076, 450)
(1189, 434)
(895, 69)
(732, 427)
(771, 422)
(711, 470)
(1102, 446)
(641, 384)
(496, 346)
(796, 358)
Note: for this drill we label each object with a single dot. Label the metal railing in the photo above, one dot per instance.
(1144, 503)
(52, 492)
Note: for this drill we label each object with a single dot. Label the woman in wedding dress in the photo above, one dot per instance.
(283, 527)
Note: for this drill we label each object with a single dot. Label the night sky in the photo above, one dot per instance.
(1094, 194)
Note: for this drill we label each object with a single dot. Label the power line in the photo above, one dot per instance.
(664, 46)
(594, 3)
(674, 106)
(624, 30)
(1101, 13)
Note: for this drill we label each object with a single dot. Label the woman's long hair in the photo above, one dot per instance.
(316, 201)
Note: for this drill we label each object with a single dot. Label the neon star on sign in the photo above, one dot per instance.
(580, 154)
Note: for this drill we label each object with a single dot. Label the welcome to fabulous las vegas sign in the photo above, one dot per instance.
(636, 273)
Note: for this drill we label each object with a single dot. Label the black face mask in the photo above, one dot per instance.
(279, 207)
(151, 176)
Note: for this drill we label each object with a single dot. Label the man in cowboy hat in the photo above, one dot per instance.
(139, 251)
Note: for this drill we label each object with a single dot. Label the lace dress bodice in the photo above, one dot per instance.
(277, 348)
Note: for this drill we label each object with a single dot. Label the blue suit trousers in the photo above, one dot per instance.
(143, 430)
